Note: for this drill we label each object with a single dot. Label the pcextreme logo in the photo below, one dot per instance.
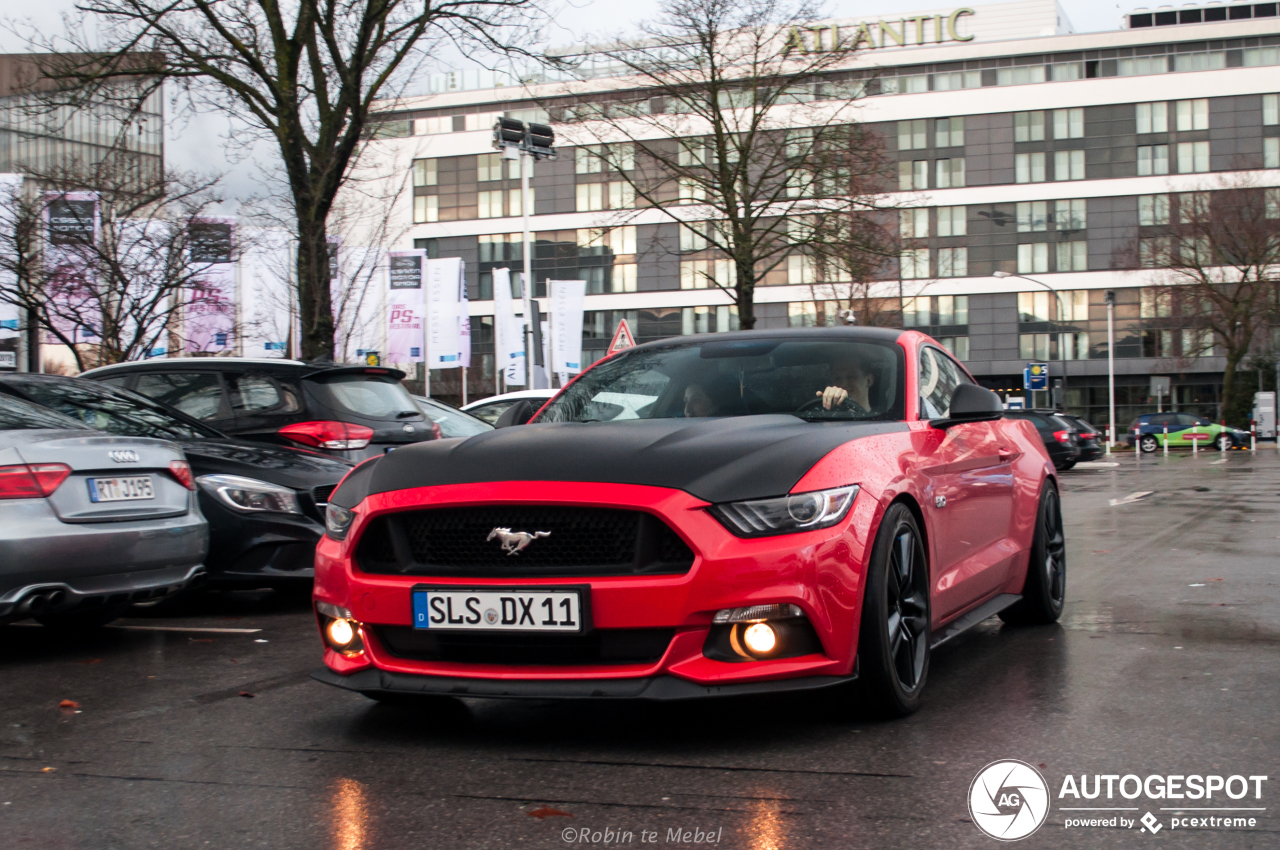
(1009, 800)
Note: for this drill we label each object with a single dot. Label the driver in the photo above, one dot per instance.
(698, 402)
(850, 386)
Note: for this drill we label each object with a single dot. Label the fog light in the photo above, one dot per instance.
(341, 634)
(760, 638)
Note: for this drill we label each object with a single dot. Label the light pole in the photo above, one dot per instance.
(526, 143)
(1062, 317)
(1111, 368)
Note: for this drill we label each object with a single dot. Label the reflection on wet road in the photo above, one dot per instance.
(1165, 662)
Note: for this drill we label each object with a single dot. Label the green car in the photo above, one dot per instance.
(1148, 430)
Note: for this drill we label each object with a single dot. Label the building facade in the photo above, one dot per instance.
(1022, 148)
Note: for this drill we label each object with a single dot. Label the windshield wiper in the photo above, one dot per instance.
(405, 414)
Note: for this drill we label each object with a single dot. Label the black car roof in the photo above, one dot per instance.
(20, 378)
(299, 368)
(849, 332)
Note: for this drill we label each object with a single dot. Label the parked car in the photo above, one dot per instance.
(350, 412)
(1091, 440)
(90, 523)
(265, 504)
(1060, 439)
(489, 409)
(1148, 431)
(449, 420)
(790, 509)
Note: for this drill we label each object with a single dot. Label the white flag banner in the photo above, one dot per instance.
(508, 331)
(405, 306)
(567, 298)
(209, 316)
(10, 188)
(464, 327)
(444, 302)
(267, 299)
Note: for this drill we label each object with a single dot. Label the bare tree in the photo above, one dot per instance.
(305, 74)
(736, 108)
(1220, 258)
(106, 271)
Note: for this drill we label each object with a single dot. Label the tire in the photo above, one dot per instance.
(1067, 465)
(1223, 442)
(1045, 589)
(1148, 444)
(76, 622)
(893, 639)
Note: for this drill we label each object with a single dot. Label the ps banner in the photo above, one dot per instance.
(210, 317)
(405, 306)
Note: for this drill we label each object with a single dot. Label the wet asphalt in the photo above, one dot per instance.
(1167, 661)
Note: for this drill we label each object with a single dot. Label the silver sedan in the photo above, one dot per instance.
(90, 523)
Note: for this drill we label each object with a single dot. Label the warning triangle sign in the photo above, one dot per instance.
(622, 338)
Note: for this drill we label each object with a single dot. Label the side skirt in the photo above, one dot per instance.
(985, 611)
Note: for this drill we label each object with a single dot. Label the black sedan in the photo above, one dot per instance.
(1060, 438)
(1091, 439)
(265, 504)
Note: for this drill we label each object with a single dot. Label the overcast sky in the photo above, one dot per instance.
(199, 142)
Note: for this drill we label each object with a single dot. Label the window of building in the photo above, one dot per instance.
(952, 221)
(693, 236)
(1193, 157)
(1192, 114)
(1068, 165)
(950, 133)
(622, 196)
(1032, 216)
(426, 208)
(953, 309)
(1021, 76)
(515, 198)
(692, 152)
(600, 242)
(424, 172)
(501, 247)
(480, 121)
(915, 264)
(1033, 346)
(1033, 258)
(913, 223)
(1153, 209)
(1028, 167)
(957, 80)
(1153, 159)
(957, 345)
(1070, 215)
(913, 175)
(1193, 206)
(489, 167)
(1035, 306)
(1068, 123)
(492, 204)
(911, 135)
(587, 159)
(1073, 256)
(1142, 65)
(803, 314)
(1153, 251)
(1028, 126)
(950, 173)
(1271, 153)
(689, 191)
(590, 197)
(700, 274)
(800, 269)
(1154, 303)
(953, 262)
(1197, 342)
(1271, 109)
(433, 126)
(697, 320)
(624, 277)
(1273, 203)
(1153, 117)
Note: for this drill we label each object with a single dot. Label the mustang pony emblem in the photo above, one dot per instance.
(514, 541)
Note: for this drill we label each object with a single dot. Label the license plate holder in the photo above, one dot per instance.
(502, 609)
(132, 488)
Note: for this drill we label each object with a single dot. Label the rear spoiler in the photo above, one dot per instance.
(339, 369)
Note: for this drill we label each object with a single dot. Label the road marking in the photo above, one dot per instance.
(1224, 460)
(1131, 498)
(187, 629)
(1095, 464)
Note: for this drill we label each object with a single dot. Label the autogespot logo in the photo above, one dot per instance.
(1009, 799)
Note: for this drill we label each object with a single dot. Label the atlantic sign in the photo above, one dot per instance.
(904, 32)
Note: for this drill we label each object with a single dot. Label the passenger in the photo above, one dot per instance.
(850, 387)
(697, 402)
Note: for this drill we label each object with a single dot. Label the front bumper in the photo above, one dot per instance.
(821, 571)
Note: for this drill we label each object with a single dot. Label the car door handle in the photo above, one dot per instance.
(1006, 454)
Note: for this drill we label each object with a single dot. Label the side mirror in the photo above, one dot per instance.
(971, 403)
(517, 414)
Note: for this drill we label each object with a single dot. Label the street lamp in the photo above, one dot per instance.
(1111, 368)
(526, 143)
(1062, 317)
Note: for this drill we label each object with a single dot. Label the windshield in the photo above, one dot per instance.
(373, 396)
(453, 423)
(812, 379)
(18, 415)
(114, 411)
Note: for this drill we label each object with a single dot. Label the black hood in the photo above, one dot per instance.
(716, 459)
(295, 468)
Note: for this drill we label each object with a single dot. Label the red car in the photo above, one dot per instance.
(711, 515)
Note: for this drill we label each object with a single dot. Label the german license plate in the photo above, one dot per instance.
(498, 610)
(121, 489)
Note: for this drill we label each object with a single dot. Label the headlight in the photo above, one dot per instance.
(786, 514)
(250, 494)
(337, 520)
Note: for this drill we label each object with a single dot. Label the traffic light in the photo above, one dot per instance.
(508, 132)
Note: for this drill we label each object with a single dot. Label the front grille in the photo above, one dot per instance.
(321, 494)
(602, 646)
(578, 542)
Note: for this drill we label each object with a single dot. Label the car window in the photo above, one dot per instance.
(490, 412)
(197, 394)
(939, 377)
(112, 410)
(259, 394)
(1186, 420)
(1160, 420)
(18, 415)
(372, 396)
(453, 423)
(118, 381)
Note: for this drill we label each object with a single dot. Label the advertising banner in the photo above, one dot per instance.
(567, 298)
(508, 331)
(444, 291)
(10, 186)
(268, 306)
(405, 306)
(209, 317)
(72, 224)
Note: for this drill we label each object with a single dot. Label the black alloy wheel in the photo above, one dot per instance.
(1148, 443)
(893, 643)
(1045, 589)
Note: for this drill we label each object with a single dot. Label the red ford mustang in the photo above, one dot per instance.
(738, 513)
